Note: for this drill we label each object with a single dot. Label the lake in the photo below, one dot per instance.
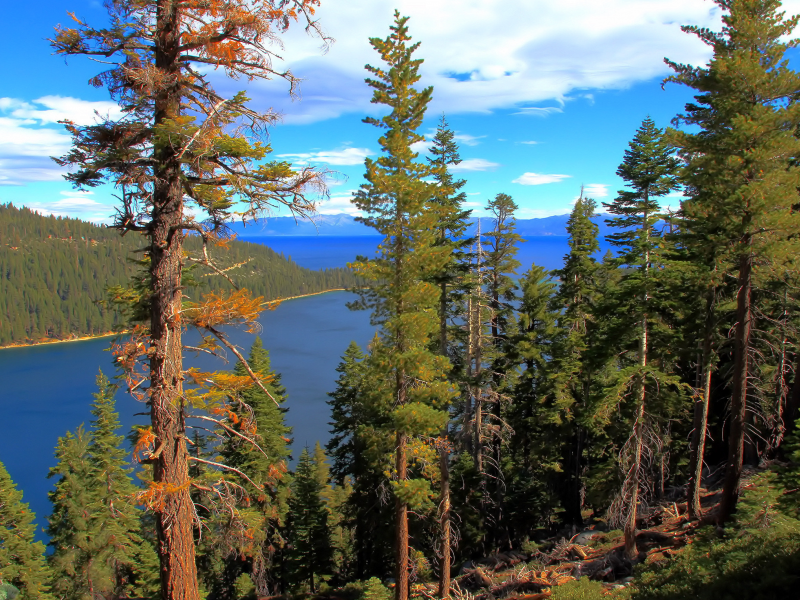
(47, 389)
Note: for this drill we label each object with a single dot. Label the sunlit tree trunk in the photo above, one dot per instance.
(175, 515)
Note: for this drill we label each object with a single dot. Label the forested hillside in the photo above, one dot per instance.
(56, 270)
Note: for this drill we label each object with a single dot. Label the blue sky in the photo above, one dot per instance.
(544, 96)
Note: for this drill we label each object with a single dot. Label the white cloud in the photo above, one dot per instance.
(539, 178)
(338, 204)
(537, 111)
(481, 55)
(595, 190)
(51, 109)
(467, 139)
(530, 143)
(345, 156)
(30, 135)
(75, 204)
(474, 164)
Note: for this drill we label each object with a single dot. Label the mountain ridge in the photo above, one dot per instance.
(345, 225)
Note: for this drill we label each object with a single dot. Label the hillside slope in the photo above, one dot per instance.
(53, 272)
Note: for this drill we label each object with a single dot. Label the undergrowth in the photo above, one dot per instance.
(757, 557)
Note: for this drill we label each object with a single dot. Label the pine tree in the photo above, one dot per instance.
(452, 226)
(22, 562)
(311, 551)
(650, 170)
(181, 144)
(499, 266)
(397, 202)
(95, 527)
(359, 443)
(129, 561)
(742, 171)
(571, 368)
(250, 543)
(72, 524)
(533, 466)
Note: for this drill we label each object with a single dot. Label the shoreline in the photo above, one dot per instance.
(113, 333)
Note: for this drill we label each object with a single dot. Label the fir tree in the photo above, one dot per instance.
(310, 552)
(129, 561)
(650, 171)
(533, 466)
(453, 222)
(95, 527)
(571, 368)
(22, 562)
(397, 202)
(258, 413)
(742, 171)
(359, 442)
(72, 524)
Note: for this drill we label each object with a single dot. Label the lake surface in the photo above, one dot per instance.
(46, 390)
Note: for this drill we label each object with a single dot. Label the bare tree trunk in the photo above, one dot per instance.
(632, 477)
(401, 515)
(444, 578)
(175, 515)
(698, 443)
(733, 468)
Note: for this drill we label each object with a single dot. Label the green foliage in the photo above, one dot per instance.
(758, 557)
(250, 544)
(370, 589)
(95, 527)
(585, 589)
(359, 445)
(22, 562)
(56, 272)
(310, 553)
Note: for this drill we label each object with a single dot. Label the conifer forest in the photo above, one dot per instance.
(624, 426)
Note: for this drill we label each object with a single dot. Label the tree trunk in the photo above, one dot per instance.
(733, 468)
(444, 578)
(401, 513)
(698, 443)
(175, 515)
(632, 478)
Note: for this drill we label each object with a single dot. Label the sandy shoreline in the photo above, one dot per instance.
(113, 333)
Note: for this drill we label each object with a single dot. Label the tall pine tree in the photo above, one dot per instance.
(397, 202)
(743, 173)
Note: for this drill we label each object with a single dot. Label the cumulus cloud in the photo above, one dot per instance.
(530, 143)
(474, 164)
(482, 55)
(539, 178)
(345, 156)
(31, 135)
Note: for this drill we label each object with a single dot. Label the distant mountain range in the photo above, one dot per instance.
(344, 225)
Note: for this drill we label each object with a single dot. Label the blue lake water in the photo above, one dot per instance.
(46, 390)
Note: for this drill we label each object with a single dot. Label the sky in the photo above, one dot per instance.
(544, 96)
